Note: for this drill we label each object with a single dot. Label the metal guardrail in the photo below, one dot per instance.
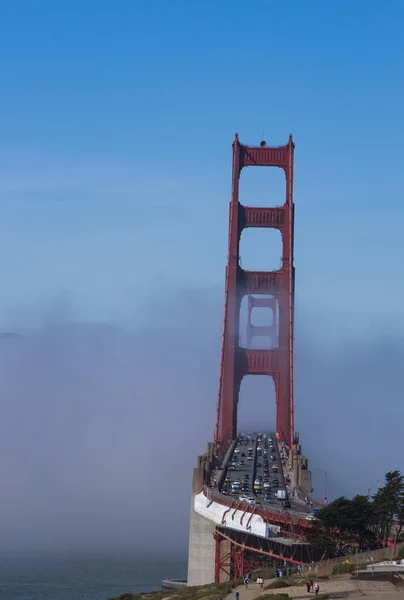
(265, 514)
(225, 461)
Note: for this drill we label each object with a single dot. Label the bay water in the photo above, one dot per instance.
(85, 577)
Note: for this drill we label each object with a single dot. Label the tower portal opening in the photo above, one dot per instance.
(257, 404)
(259, 322)
(260, 249)
(262, 187)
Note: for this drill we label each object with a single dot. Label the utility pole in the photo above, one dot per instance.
(325, 484)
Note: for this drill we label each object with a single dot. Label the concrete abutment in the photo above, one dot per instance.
(202, 545)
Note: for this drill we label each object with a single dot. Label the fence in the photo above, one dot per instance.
(358, 561)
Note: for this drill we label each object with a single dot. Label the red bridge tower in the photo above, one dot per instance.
(236, 361)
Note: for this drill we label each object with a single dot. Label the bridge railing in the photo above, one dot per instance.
(274, 513)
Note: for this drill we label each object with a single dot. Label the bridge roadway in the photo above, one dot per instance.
(251, 459)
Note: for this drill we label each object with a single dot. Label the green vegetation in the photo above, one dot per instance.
(278, 583)
(265, 573)
(274, 597)
(221, 590)
(343, 568)
(286, 597)
(362, 523)
(295, 579)
(204, 592)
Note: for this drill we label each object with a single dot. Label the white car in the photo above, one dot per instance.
(311, 518)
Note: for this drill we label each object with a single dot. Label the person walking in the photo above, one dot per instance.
(316, 589)
(237, 595)
(308, 587)
(311, 585)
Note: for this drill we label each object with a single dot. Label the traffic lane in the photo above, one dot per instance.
(252, 471)
(268, 458)
(238, 471)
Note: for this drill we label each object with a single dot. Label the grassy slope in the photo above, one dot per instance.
(220, 590)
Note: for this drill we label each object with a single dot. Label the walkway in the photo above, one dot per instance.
(343, 585)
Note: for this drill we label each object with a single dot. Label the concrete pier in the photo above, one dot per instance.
(202, 546)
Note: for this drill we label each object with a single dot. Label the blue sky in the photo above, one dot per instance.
(116, 123)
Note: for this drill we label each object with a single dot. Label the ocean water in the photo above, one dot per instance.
(84, 578)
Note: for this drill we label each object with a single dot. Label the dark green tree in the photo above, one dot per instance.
(388, 503)
(330, 524)
(400, 515)
(361, 522)
(348, 522)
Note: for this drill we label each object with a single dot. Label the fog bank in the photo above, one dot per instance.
(101, 425)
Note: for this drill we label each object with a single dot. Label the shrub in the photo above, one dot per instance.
(278, 583)
(343, 568)
(265, 573)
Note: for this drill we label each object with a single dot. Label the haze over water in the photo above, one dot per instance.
(85, 577)
(115, 176)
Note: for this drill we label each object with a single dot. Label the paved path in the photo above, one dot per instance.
(376, 589)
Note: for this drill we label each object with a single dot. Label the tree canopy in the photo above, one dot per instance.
(362, 522)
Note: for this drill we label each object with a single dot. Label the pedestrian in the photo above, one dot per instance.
(316, 588)
(237, 595)
(311, 585)
(246, 580)
(308, 587)
(262, 582)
